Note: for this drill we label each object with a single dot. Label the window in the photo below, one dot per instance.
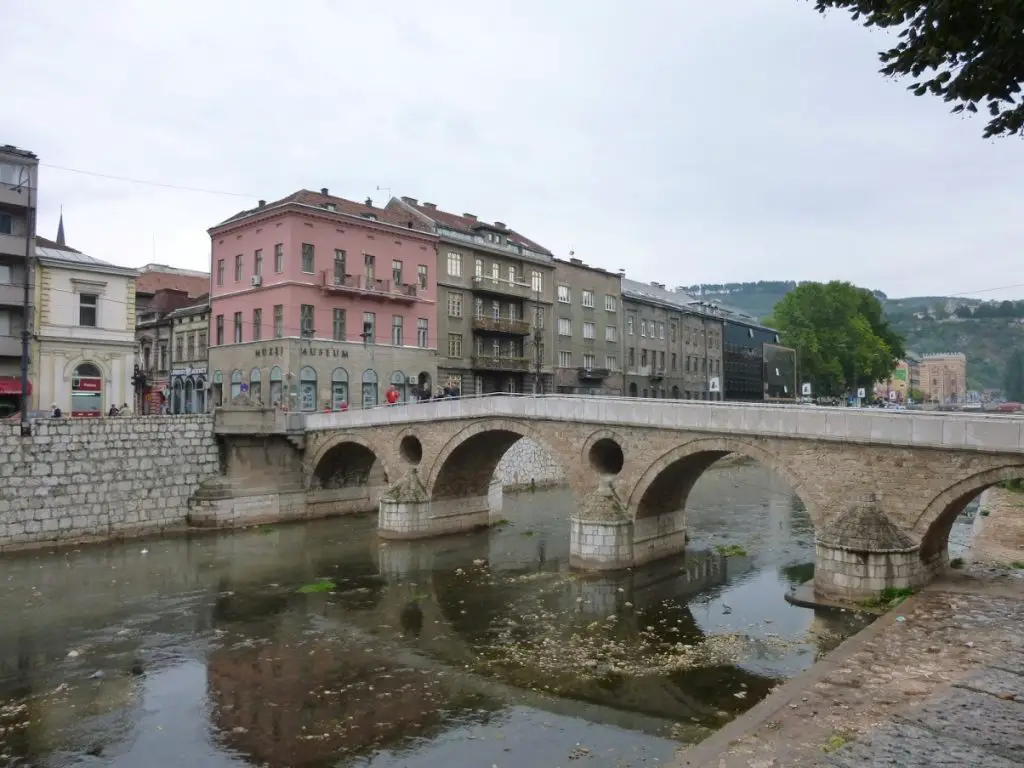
(219, 333)
(565, 359)
(396, 330)
(306, 329)
(200, 346)
(631, 357)
(339, 388)
(564, 326)
(278, 321)
(370, 269)
(629, 325)
(338, 325)
(563, 294)
(611, 333)
(495, 271)
(454, 345)
(370, 327)
(537, 281)
(164, 357)
(496, 310)
(589, 331)
(238, 267)
(421, 274)
(257, 262)
(220, 271)
(279, 258)
(421, 332)
(6, 224)
(191, 354)
(179, 348)
(454, 304)
(675, 361)
(257, 324)
(307, 388)
(588, 362)
(88, 309)
(588, 299)
(661, 330)
(672, 332)
(611, 362)
(661, 361)
(610, 304)
(6, 274)
(454, 264)
(255, 386)
(396, 272)
(478, 267)
(643, 328)
(238, 328)
(478, 307)
(308, 258)
(512, 275)
(339, 266)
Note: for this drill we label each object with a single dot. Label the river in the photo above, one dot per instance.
(315, 645)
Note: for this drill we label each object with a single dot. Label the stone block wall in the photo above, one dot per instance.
(527, 461)
(83, 479)
(854, 576)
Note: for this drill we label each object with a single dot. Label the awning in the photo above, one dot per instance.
(11, 385)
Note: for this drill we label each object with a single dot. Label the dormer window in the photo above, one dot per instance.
(331, 207)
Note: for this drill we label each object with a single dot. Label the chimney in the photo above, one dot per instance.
(369, 202)
(655, 284)
(499, 224)
(410, 200)
(574, 260)
(261, 204)
(622, 273)
(324, 191)
(431, 206)
(470, 216)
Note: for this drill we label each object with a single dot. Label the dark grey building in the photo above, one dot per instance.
(494, 294)
(757, 366)
(586, 329)
(673, 345)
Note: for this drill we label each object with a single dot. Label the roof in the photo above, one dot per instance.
(49, 251)
(10, 149)
(200, 306)
(466, 223)
(864, 527)
(156, 277)
(322, 200)
(574, 263)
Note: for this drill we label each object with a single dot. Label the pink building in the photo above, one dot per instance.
(317, 302)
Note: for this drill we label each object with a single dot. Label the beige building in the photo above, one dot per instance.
(943, 377)
(189, 381)
(897, 387)
(85, 355)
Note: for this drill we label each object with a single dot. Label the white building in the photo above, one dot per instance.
(85, 328)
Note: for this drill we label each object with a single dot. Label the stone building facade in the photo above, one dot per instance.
(943, 377)
(188, 391)
(671, 349)
(586, 329)
(495, 290)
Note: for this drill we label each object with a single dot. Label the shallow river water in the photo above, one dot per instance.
(316, 644)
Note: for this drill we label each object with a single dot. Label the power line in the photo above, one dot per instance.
(130, 180)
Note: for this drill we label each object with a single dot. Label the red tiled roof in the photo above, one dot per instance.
(349, 207)
(470, 225)
(153, 281)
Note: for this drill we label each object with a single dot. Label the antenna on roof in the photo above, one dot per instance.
(384, 189)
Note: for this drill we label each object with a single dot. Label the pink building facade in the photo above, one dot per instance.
(318, 302)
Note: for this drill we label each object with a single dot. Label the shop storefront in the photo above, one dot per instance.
(10, 395)
(87, 391)
(188, 389)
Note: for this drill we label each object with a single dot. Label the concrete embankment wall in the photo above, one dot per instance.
(80, 479)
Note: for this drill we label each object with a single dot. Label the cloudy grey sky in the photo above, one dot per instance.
(684, 142)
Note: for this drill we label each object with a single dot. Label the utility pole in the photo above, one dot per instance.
(26, 330)
(538, 347)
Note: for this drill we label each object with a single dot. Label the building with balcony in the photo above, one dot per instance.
(495, 291)
(673, 346)
(85, 353)
(321, 302)
(19, 173)
(586, 329)
(189, 388)
(153, 331)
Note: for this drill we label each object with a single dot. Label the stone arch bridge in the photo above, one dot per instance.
(882, 488)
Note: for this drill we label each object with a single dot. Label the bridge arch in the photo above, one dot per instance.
(346, 461)
(666, 484)
(466, 463)
(934, 524)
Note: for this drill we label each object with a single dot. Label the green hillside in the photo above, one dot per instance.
(986, 332)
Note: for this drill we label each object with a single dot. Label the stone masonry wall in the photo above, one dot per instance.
(527, 460)
(83, 479)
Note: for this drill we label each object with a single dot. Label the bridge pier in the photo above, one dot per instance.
(407, 511)
(861, 553)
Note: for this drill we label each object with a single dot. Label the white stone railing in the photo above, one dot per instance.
(959, 431)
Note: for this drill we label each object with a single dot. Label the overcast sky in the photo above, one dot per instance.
(685, 142)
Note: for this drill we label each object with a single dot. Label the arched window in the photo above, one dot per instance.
(675, 393)
(199, 398)
(188, 400)
(307, 388)
(275, 386)
(398, 382)
(255, 386)
(632, 389)
(218, 389)
(236, 384)
(87, 390)
(177, 404)
(369, 388)
(339, 388)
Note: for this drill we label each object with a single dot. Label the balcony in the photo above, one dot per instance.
(11, 194)
(12, 245)
(500, 287)
(10, 346)
(12, 295)
(510, 364)
(593, 374)
(501, 325)
(359, 285)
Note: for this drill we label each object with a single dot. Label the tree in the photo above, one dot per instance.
(842, 337)
(966, 51)
(1013, 376)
